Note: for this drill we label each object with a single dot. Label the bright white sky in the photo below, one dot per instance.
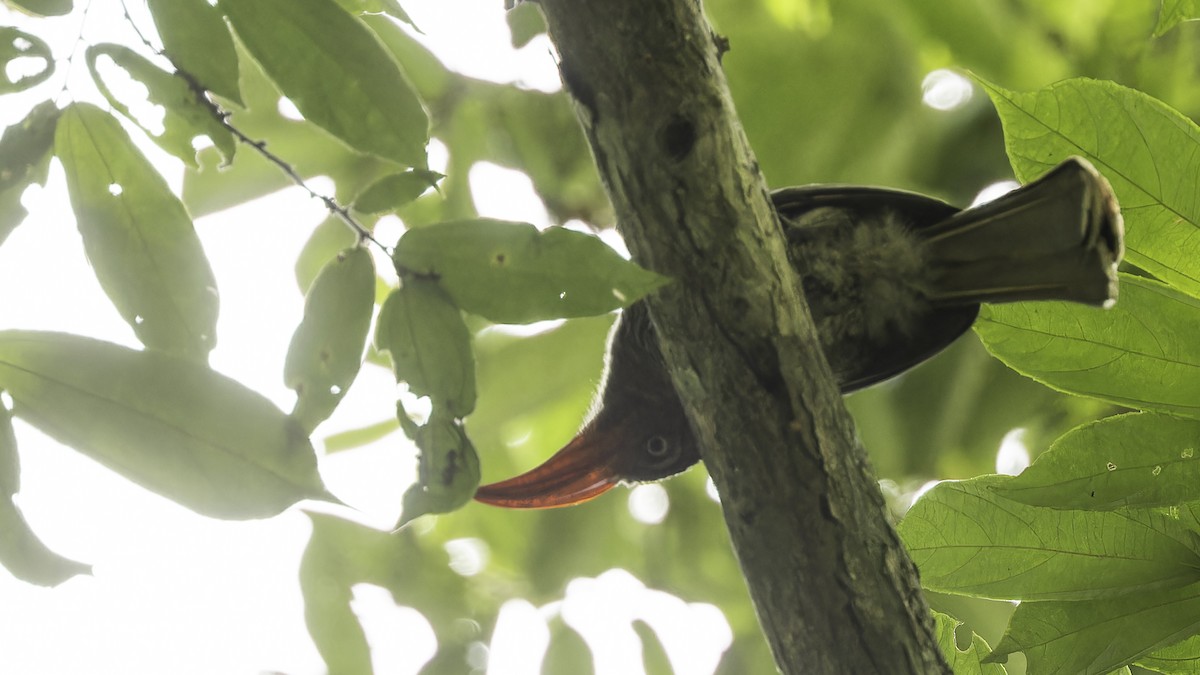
(180, 593)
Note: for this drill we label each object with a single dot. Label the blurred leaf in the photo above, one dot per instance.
(1178, 659)
(17, 44)
(356, 438)
(654, 655)
(391, 192)
(1175, 12)
(967, 539)
(138, 236)
(25, 150)
(336, 72)
(1138, 460)
(327, 239)
(429, 344)
(390, 7)
(26, 557)
(327, 348)
(169, 424)
(1098, 636)
(525, 22)
(197, 41)
(1143, 353)
(447, 469)
(963, 661)
(1148, 151)
(43, 7)
(10, 462)
(567, 653)
(185, 117)
(512, 273)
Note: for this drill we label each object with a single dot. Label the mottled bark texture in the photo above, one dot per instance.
(834, 589)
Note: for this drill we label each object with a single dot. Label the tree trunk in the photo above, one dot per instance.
(834, 588)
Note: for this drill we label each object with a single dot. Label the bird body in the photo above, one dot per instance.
(891, 278)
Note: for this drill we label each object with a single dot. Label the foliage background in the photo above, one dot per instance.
(828, 92)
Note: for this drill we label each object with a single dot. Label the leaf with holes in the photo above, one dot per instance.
(185, 116)
(17, 44)
(1142, 353)
(338, 74)
(512, 273)
(25, 150)
(168, 424)
(430, 346)
(447, 469)
(197, 40)
(138, 236)
(327, 348)
(1148, 151)
(967, 661)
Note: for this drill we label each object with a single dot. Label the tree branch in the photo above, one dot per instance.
(833, 587)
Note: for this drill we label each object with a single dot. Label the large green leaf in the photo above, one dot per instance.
(25, 150)
(1099, 636)
(512, 273)
(138, 236)
(1141, 460)
(1149, 152)
(336, 72)
(17, 44)
(167, 423)
(967, 661)
(327, 348)
(1143, 353)
(430, 346)
(967, 539)
(197, 41)
(1178, 659)
(1175, 12)
(185, 117)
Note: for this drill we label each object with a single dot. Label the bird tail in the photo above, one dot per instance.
(1057, 238)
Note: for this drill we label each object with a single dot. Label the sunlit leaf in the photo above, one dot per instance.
(43, 7)
(26, 557)
(968, 540)
(967, 661)
(327, 348)
(1175, 12)
(25, 150)
(1178, 659)
(17, 44)
(1142, 353)
(447, 469)
(1141, 460)
(390, 7)
(512, 273)
(391, 192)
(184, 117)
(429, 344)
(326, 240)
(138, 236)
(1098, 636)
(197, 41)
(336, 72)
(356, 438)
(1148, 151)
(169, 424)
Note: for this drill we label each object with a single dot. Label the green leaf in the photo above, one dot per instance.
(429, 344)
(26, 557)
(137, 234)
(43, 7)
(10, 463)
(390, 7)
(525, 22)
(17, 44)
(967, 661)
(326, 240)
(1147, 150)
(1098, 636)
(336, 72)
(512, 273)
(356, 438)
(327, 348)
(447, 469)
(25, 150)
(198, 42)
(185, 116)
(169, 424)
(392, 192)
(1136, 460)
(1143, 353)
(1175, 12)
(1178, 659)
(968, 540)
(654, 657)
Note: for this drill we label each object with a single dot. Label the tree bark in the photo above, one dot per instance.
(834, 588)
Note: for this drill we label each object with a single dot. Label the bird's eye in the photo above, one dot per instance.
(657, 447)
